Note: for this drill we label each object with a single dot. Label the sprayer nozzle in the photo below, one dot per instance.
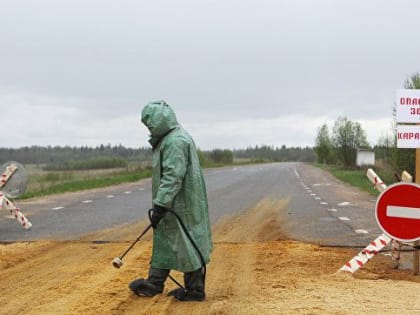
(117, 262)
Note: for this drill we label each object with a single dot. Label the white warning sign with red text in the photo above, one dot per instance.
(408, 106)
(408, 136)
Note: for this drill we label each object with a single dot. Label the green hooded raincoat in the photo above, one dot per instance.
(178, 184)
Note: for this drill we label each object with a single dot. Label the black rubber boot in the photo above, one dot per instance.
(194, 287)
(152, 285)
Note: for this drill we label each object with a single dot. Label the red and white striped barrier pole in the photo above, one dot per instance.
(366, 254)
(378, 244)
(396, 251)
(375, 180)
(7, 204)
(380, 186)
(7, 174)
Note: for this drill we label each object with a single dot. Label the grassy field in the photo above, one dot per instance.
(42, 183)
(358, 178)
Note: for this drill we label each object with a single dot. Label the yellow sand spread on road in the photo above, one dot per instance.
(254, 270)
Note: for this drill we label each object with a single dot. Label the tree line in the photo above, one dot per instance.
(61, 154)
(340, 145)
(277, 154)
(66, 157)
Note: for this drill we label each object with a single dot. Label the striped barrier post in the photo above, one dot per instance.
(380, 186)
(7, 174)
(396, 252)
(378, 244)
(366, 254)
(6, 203)
(19, 216)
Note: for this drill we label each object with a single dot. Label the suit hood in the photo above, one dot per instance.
(159, 118)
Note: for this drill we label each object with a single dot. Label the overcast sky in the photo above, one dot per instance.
(237, 73)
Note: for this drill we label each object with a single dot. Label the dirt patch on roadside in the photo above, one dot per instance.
(257, 224)
(254, 270)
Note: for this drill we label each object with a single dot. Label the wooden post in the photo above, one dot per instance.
(416, 251)
(416, 258)
(418, 166)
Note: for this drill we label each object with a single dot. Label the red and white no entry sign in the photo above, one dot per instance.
(398, 212)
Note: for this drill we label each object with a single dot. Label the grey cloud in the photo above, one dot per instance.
(212, 60)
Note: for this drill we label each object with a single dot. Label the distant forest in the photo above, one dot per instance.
(277, 154)
(59, 154)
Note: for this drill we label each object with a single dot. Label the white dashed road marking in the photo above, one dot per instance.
(344, 218)
(110, 196)
(86, 201)
(361, 231)
(332, 210)
(141, 189)
(317, 198)
(57, 208)
(343, 204)
(324, 203)
(127, 192)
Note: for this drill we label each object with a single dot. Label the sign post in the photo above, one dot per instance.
(416, 244)
(408, 136)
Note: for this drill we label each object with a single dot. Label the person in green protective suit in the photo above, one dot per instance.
(177, 185)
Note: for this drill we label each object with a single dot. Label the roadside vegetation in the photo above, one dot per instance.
(93, 164)
(357, 177)
(42, 182)
(337, 152)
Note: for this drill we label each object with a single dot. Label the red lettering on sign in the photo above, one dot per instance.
(409, 101)
(408, 135)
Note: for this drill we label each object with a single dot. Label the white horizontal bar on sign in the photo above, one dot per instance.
(403, 212)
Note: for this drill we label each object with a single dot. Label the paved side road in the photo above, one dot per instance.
(321, 209)
(329, 212)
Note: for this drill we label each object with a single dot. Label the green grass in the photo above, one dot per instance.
(358, 178)
(355, 178)
(84, 184)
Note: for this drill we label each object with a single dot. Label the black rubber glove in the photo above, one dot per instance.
(157, 213)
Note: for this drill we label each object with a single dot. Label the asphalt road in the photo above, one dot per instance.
(321, 209)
